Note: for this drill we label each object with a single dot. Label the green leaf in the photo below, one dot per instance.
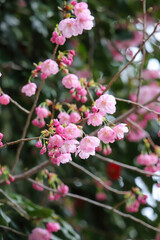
(4, 219)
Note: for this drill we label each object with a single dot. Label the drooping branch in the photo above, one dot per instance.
(126, 215)
(13, 230)
(98, 179)
(135, 169)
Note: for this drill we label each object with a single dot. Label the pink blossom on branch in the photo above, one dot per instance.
(42, 112)
(107, 135)
(87, 147)
(29, 89)
(40, 234)
(119, 130)
(53, 227)
(71, 81)
(48, 67)
(106, 104)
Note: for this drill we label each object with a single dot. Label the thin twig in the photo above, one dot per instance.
(98, 179)
(18, 141)
(89, 93)
(126, 215)
(135, 169)
(141, 47)
(13, 230)
(19, 106)
(28, 173)
(137, 104)
(27, 125)
(144, 52)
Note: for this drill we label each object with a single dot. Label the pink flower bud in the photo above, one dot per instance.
(43, 150)
(1, 136)
(35, 122)
(4, 99)
(38, 144)
(84, 99)
(53, 227)
(60, 40)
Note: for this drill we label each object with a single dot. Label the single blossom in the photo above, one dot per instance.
(106, 135)
(68, 27)
(60, 40)
(41, 112)
(71, 81)
(64, 118)
(119, 130)
(29, 89)
(101, 196)
(56, 140)
(63, 189)
(75, 117)
(84, 22)
(72, 131)
(40, 234)
(87, 147)
(4, 99)
(38, 144)
(64, 158)
(53, 227)
(81, 7)
(69, 146)
(95, 119)
(106, 104)
(49, 67)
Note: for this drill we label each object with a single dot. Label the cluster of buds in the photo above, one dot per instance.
(65, 59)
(101, 195)
(4, 172)
(134, 199)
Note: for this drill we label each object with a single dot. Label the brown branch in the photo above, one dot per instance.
(27, 125)
(13, 230)
(28, 173)
(135, 169)
(126, 215)
(98, 179)
(144, 52)
(18, 141)
(19, 106)
(137, 104)
(141, 47)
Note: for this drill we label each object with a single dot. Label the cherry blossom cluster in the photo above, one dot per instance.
(44, 234)
(5, 174)
(134, 199)
(83, 20)
(150, 161)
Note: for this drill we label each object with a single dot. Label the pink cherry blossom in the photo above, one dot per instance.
(72, 131)
(87, 147)
(95, 119)
(56, 140)
(68, 27)
(29, 89)
(119, 130)
(64, 118)
(106, 103)
(107, 150)
(35, 122)
(106, 135)
(75, 117)
(71, 81)
(63, 189)
(69, 146)
(150, 74)
(84, 22)
(73, 2)
(49, 67)
(42, 123)
(81, 7)
(147, 159)
(40, 234)
(4, 99)
(41, 112)
(60, 40)
(133, 207)
(64, 158)
(53, 227)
